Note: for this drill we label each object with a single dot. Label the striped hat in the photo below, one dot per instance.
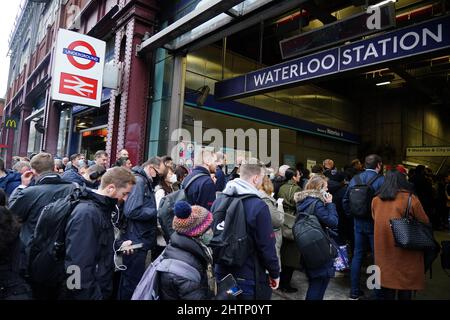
(191, 221)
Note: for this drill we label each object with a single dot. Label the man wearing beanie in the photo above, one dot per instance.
(189, 244)
(251, 277)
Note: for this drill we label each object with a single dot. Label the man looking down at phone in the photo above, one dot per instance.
(27, 203)
(317, 201)
(141, 214)
(90, 236)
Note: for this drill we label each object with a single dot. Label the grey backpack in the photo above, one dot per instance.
(148, 287)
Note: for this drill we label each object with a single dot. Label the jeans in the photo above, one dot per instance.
(317, 288)
(363, 237)
(130, 277)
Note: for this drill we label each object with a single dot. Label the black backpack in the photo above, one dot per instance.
(48, 250)
(360, 197)
(313, 242)
(230, 243)
(165, 211)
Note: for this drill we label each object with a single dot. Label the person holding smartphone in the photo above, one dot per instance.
(316, 195)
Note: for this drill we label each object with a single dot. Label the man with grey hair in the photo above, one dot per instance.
(141, 215)
(21, 167)
(251, 276)
(279, 180)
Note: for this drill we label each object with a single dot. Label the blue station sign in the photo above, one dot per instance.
(410, 41)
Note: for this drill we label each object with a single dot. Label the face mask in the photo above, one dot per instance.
(272, 176)
(206, 237)
(173, 178)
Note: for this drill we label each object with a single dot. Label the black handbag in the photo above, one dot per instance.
(410, 233)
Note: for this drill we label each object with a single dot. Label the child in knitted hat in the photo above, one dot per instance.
(189, 244)
(191, 221)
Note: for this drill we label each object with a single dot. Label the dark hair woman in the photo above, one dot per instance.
(402, 271)
(181, 172)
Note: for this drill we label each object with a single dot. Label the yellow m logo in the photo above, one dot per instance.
(11, 123)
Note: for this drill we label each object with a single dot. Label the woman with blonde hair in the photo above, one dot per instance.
(276, 212)
(316, 200)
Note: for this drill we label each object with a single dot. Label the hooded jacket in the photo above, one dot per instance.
(174, 287)
(11, 181)
(260, 230)
(140, 211)
(72, 175)
(328, 217)
(28, 203)
(89, 245)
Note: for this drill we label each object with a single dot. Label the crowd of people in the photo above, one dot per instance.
(114, 228)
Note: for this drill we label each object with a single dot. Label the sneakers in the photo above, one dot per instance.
(359, 296)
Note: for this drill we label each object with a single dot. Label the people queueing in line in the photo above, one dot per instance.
(290, 257)
(91, 224)
(28, 202)
(141, 216)
(276, 212)
(189, 243)
(90, 237)
(202, 191)
(251, 277)
(402, 270)
(315, 194)
(363, 226)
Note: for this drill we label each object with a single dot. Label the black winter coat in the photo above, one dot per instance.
(175, 287)
(27, 204)
(89, 245)
(140, 211)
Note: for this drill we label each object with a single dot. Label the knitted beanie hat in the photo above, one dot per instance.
(191, 221)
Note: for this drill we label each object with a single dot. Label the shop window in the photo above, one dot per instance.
(35, 137)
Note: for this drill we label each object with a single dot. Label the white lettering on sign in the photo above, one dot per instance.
(385, 47)
(428, 151)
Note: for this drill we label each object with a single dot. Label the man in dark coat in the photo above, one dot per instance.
(28, 203)
(73, 173)
(9, 180)
(90, 237)
(141, 216)
(252, 277)
(202, 191)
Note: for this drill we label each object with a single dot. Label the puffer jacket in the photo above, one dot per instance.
(328, 217)
(174, 287)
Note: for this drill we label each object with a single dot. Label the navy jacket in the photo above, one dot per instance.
(11, 181)
(89, 245)
(28, 203)
(140, 211)
(202, 191)
(328, 217)
(72, 175)
(260, 230)
(365, 176)
(220, 179)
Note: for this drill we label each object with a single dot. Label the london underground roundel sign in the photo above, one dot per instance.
(72, 54)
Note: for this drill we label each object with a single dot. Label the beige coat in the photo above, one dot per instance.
(400, 268)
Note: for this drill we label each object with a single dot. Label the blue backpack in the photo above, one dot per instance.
(148, 287)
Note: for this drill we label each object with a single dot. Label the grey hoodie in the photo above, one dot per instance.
(240, 187)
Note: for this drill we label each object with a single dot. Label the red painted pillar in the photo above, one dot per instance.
(24, 133)
(51, 130)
